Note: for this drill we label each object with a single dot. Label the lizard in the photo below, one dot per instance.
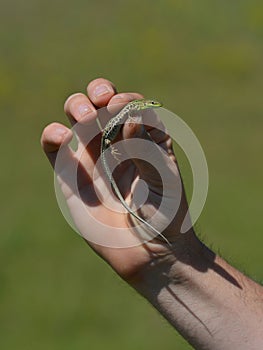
(109, 133)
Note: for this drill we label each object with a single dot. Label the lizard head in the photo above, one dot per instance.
(147, 103)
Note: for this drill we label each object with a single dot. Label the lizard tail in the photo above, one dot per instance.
(130, 211)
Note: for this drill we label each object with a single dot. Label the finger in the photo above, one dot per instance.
(82, 112)
(124, 98)
(116, 103)
(100, 91)
(157, 131)
(80, 109)
(120, 100)
(54, 136)
(159, 135)
(70, 171)
(147, 155)
(150, 123)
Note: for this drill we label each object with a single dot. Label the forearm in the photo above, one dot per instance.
(210, 303)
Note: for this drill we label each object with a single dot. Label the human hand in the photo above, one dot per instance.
(82, 111)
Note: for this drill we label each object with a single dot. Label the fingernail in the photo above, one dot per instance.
(102, 90)
(84, 110)
(60, 135)
(61, 131)
(126, 96)
(118, 97)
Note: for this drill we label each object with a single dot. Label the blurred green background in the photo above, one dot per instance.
(204, 61)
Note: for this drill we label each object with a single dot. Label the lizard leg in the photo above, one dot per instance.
(115, 153)
(134, 119)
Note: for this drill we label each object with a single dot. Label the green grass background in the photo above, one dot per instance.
(204, 61)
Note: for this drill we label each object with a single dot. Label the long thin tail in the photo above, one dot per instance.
(119, 195)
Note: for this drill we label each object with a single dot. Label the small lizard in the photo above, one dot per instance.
(109, 133)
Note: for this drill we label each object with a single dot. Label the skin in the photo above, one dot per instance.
(109, 134)
(213, 305)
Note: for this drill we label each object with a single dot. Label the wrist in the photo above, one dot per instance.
(171, 265)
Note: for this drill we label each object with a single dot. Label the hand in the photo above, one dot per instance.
(82, 111)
